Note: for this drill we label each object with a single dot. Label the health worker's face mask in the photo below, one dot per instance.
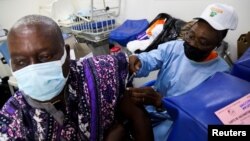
(194, 53)
(42, 81)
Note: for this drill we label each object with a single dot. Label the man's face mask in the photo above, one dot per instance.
(194, 53)
(42, 81)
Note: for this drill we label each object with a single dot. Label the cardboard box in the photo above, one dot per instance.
(243, 43)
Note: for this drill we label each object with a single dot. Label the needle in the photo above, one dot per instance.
(131, 77)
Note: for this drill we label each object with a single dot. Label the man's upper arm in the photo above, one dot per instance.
(154, 59)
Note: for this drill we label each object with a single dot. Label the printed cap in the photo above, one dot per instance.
(220, 16)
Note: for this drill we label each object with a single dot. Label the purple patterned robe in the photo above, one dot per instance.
(94, 87)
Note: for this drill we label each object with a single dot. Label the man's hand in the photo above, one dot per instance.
(138, 123)
(134, 64)
(145, 96)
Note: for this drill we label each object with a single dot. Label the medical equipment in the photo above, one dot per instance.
(5, 73)
(4, 67)
(2, 32)
(128, 31)
(93, 24)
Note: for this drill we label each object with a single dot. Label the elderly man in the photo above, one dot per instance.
(183, 64)
(63, 99)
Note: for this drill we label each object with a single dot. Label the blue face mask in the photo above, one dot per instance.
(42, 81)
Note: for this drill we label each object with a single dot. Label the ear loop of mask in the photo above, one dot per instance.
(63, 61)
(64, 56)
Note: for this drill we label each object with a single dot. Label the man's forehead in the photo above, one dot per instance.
(33, 38)
(29, 33)
(204, 28)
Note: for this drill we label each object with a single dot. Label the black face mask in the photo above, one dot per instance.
(195, 54)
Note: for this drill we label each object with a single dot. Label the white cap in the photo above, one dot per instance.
(220, 16)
